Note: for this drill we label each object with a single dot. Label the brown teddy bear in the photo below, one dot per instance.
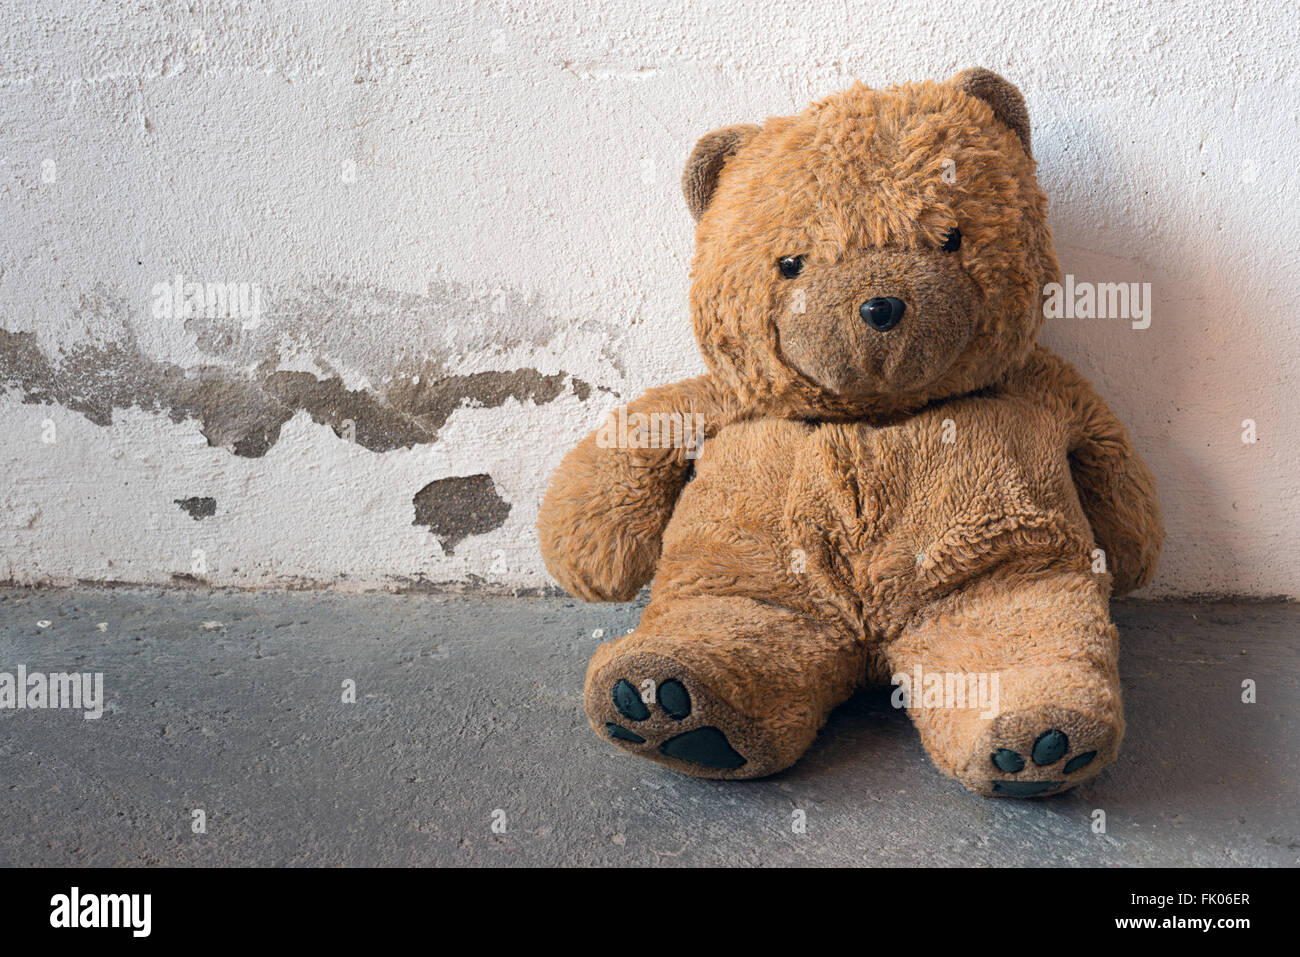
(881, 479)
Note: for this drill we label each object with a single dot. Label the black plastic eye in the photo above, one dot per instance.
(952, 242)
(790, 266)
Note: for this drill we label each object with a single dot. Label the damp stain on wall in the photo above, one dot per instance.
(244, 412)
(456, 508)
(379, 367)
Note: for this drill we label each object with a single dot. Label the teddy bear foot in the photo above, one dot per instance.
(1039, 752)
(721, 687)
(655, 708)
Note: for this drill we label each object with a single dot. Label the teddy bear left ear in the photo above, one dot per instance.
(711, 153)
(1007, 102)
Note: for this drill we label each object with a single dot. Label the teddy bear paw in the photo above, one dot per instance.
(653, 707)
(1035, 755)
(706, 746)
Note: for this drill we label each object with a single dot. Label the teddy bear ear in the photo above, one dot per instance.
(1008, 103)
(711, 153)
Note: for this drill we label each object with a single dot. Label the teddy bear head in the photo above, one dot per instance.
(881, 250)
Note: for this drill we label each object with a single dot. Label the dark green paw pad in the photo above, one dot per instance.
(674, 699)
(1004, 759)
(1079, 761)
(1025, 788)
(1050, 747)
(622, 733)
(628, 702)
(707, 747)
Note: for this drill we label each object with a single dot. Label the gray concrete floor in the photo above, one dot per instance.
(469, 707)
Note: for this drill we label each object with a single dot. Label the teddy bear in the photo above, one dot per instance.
(881, 478)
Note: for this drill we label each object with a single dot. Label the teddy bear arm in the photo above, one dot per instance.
(1115, 487)
(602, 520)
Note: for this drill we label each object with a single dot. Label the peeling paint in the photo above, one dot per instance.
(455, 508)
(198, 508)
(244, 412)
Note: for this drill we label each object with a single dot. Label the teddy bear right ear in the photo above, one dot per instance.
(1007, 101)
(711, 153)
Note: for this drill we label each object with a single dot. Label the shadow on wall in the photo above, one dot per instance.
(1185, 384)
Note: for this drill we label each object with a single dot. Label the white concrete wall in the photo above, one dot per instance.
(447, 188)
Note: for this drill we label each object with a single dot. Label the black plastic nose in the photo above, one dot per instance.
(882, 313)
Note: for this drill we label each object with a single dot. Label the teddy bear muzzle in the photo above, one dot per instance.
(876, 321)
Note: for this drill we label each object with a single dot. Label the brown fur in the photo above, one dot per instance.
(868, 501)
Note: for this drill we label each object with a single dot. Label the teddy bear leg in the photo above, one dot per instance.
(1047, 654)
(722, 687)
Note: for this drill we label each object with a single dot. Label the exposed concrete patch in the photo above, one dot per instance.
(198, 508)
(244, 412)
(455, 508)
